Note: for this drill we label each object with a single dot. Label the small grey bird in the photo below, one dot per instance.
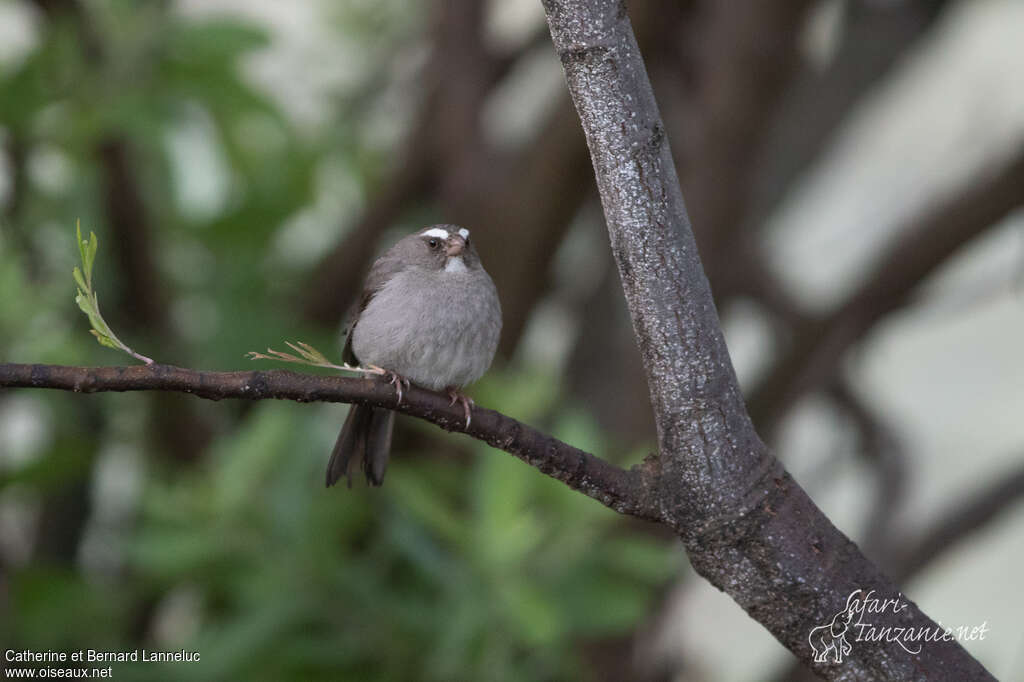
(428, 314)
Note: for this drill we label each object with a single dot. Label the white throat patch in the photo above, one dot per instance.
(455, 264)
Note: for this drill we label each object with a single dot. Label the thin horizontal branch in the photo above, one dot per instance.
(622, 490)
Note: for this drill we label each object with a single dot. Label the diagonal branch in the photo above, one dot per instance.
(919, 250)
(746, 525)
(914, 554)
(876, 37)
(960, 522)
(622, 490)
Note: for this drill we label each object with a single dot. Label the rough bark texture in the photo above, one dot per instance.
(747, 526)
(623, 491)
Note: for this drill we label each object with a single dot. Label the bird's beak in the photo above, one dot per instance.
(455, 245)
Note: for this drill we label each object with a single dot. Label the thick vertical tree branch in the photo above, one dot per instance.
(747, 526)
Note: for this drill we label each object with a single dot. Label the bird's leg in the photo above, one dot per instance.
(395, 379)
(458, 396)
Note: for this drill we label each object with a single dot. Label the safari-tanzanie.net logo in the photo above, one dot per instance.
(855, 623)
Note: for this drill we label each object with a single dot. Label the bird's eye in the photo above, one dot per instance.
(433, 243)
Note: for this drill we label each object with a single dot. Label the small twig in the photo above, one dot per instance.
(311, 357)
(89, 302)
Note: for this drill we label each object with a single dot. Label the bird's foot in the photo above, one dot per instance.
(396, 380)
(467, 403)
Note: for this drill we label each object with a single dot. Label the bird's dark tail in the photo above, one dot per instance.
(366, 435)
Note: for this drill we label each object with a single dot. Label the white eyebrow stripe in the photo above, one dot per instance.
(436, 232)
(464, 233)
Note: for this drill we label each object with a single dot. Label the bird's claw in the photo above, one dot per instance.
(397, 380)
(467, 402)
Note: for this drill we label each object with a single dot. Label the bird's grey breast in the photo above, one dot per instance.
(437, 329)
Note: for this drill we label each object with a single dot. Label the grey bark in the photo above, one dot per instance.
(746, 525)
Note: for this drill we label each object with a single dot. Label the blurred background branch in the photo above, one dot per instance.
(918, 249)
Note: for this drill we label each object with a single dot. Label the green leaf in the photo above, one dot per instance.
(87, 249)
(214, 41)
(80, 281)
(84, 303)
(87, 299)
(105, 340)
(91, 249)
(97, 322)
(82, 248)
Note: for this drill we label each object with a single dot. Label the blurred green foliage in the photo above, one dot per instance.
(476, 568)
(467, 564)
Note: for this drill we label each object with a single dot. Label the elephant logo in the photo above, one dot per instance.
(832, 637)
